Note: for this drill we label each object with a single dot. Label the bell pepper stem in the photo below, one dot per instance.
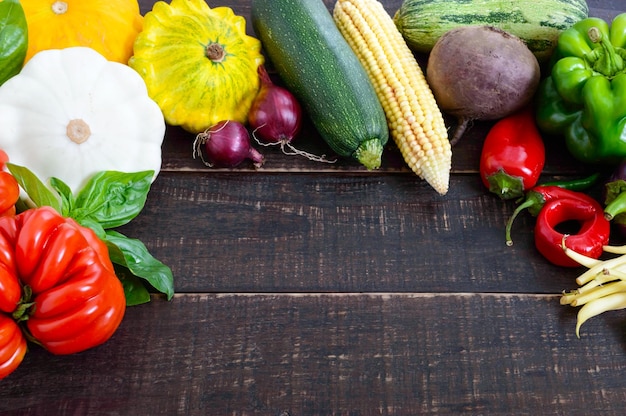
(615, 207)
(605, 59)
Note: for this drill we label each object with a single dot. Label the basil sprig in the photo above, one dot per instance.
(108, 200)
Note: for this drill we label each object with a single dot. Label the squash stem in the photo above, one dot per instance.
(59, 7)
(369, 153)
(215, 52)
(78, 131)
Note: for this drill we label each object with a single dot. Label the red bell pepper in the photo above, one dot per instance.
(513, 155)
(71, 299)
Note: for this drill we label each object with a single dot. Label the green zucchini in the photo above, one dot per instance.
(537, 22)
(318, 66)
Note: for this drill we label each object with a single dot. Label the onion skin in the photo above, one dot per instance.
(276, 114)
(226, 144)
(275, 118)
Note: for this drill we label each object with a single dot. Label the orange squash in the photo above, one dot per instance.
(108, 26)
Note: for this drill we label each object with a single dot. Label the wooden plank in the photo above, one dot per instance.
(320, 354)
(237, 232)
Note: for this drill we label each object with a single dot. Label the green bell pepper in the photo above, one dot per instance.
(13, 38)
(584, 98)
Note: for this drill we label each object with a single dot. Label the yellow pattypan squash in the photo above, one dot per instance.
(70, 114)
(198, 63)
(108, 26)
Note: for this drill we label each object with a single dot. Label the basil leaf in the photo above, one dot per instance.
(65, 192)
(112, 198)
(95, 227)
(37, 191)
(134, 290)
(13, 39)
(133, 254)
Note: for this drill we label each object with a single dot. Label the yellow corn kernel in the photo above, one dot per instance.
(415, 121)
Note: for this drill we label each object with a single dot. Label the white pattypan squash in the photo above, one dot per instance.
(70, 113)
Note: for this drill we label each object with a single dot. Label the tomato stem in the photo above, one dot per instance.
(25, 306)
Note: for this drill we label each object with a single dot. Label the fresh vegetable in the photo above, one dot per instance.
(536, 198)
(584, 98)
(4, 158)
(275, 118)
(70, 113)
(615, 198)
(13, 38)
(9, 194)
(108, 200)
(537, 22)
(481, 73)
(601, 288)
(13, 345)
(513, 155)
(589, 238)
(198, 63)
(414, 119)
(576, 184)
(276, 114)
(321, 70)
(555, 207)
(10, 289)
(71, 299)
(226, 144)
(109, 27)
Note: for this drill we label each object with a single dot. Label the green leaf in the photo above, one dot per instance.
(13, 38)
(112, 198)
(134, 289)
(95, 226)
(65, 192)
(37, 191)
(133, 254)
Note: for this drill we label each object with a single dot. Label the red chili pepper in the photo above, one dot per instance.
(537, 197)
(513, 155)
(592, 235)
(554, 205)
(71, 299)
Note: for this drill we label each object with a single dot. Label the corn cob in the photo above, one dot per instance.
(415, 121)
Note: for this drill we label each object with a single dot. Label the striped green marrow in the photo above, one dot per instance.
(318, 66)
(536, 22)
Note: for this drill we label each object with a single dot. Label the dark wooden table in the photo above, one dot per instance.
(314, 289)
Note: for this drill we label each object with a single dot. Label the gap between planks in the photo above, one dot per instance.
(370, 294)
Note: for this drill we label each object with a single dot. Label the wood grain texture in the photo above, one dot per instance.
(323, 354)
(223, 232)
(325, 289)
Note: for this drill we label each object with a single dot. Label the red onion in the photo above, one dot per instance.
(275, 117)
(226, 144)
(275, 114)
